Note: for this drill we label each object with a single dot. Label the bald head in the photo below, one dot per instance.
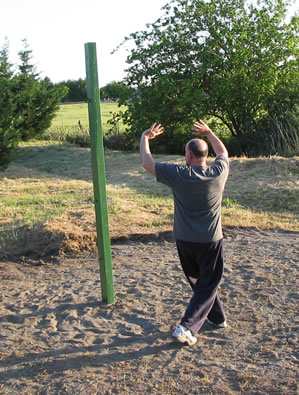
(198, 147)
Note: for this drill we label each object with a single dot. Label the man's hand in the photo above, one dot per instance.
(154, 131)
(200, 128)
(146, 157)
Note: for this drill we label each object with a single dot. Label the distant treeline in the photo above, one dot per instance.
(77, 90)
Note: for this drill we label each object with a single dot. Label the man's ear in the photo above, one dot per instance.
(190, 156)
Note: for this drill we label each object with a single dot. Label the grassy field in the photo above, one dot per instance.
(71, 123)
(48, 191)
(69, 114)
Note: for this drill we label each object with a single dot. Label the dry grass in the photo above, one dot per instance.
(263, 193)
(47, 206)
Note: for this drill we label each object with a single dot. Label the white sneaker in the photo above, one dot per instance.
(222, 325)
(183, 335)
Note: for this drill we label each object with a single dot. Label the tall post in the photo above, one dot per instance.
(98, 173)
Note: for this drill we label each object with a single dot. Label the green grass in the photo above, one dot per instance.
(66, 127)
(41, 199)
(69, 115)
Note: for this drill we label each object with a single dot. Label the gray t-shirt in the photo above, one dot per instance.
(197, 192)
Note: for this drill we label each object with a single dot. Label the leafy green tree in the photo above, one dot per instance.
(226, 59)
(77, 90)
(115, 91)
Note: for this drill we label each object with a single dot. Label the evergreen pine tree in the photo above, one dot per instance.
(9, 136)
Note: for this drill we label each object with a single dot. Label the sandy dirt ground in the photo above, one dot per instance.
(58, 337)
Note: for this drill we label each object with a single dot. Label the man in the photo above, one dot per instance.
(197, 190)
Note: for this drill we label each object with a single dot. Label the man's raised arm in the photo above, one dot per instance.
(201, 129)
(147, 160)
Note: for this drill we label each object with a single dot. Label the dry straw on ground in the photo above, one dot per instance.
(57, 182)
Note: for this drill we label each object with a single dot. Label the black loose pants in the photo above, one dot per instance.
(203, 267)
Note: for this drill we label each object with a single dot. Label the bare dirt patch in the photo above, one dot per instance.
(57, 336)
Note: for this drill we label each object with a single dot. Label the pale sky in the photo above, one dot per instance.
(56, 32)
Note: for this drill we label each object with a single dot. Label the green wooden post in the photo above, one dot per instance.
(98, 173)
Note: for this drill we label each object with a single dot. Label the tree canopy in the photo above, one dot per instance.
(231, 60)
(115, 90)
(77, 90)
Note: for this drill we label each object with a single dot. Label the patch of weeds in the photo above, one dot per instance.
(154, 202)
(205, 380)
(228, 202)
(75, 135)
(8, 238)
(161, 222)
(113, 209)
(158, 223)
(246, 378)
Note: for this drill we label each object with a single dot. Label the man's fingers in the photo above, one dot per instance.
(199, 124)
(156, 125)
(154, 130)
(157, 128)
(196, 128)
(200, 127)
